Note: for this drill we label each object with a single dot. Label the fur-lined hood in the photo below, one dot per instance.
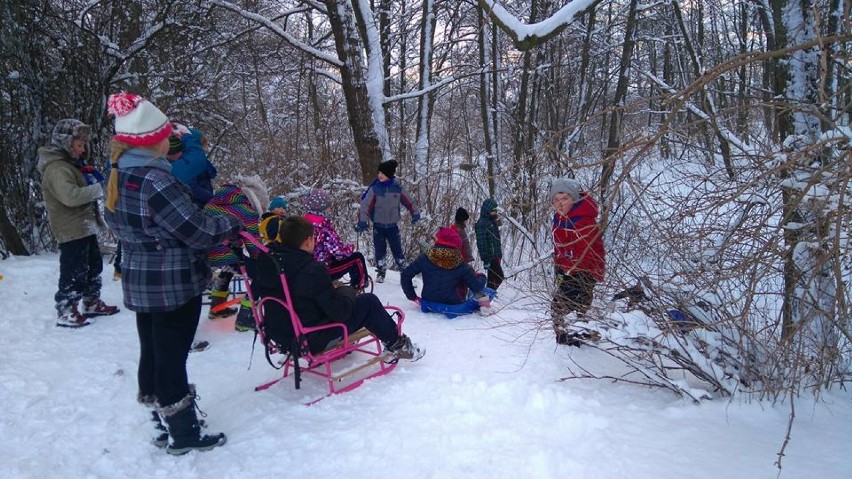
(255, 190)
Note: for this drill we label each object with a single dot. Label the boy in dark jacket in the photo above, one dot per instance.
(318, 302)
(380, 203)
(488, 242)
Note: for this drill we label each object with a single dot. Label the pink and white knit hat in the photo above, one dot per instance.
(137, 121)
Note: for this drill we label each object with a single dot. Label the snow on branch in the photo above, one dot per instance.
(268, 23)
(526, 36)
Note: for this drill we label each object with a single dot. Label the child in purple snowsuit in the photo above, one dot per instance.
(339, 258)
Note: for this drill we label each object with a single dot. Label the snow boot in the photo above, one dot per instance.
(403, 348)
(161, 439)
(185, 432)
(71, 318)
(96, 307)
(161, 434)
(245, 320)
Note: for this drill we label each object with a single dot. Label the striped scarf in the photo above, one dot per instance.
(230, 200)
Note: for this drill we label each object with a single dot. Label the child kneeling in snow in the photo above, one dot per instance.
(450, 286)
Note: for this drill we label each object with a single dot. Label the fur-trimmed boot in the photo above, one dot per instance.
(185, 432)
(161, 434)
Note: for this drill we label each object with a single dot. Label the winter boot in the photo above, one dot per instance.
(185, 433)
(403, 348)
(71, 318)
(217, 298)
(96, 307)
(161, 434)
(161, 439)
(380, 276)
(245, 320)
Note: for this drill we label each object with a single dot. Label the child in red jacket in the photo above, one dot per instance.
(578, 255)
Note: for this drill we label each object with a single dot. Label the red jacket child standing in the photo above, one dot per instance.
(578, 255)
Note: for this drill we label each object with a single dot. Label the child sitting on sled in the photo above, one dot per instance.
(450, 286)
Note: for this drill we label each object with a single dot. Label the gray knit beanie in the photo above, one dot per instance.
(569, 186)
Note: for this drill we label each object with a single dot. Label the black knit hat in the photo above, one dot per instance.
(388, 168)
(462, 215)
(175, 145)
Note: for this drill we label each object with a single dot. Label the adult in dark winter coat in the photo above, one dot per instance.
(488, 242)
(578, 254)
(165, 239)
(380, 203)
(71, 190)
(317, 301)
(447, 279)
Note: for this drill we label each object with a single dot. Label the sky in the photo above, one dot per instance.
(487, 401)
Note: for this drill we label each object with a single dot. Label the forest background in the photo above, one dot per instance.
(715, 135)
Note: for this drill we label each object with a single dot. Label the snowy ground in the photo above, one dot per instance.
(485, 402)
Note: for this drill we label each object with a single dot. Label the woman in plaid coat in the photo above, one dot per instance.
(164, 239)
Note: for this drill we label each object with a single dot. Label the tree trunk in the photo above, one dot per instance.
(353, 79)
(613, 144)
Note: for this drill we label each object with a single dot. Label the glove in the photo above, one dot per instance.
(415, 217)
(416, 300)
(361, 226)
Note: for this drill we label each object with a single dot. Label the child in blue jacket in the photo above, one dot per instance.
(450, 285)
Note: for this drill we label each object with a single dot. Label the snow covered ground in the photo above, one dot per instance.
(485, 402)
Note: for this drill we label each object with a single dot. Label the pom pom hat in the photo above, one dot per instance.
(137, 121)
(448, 237)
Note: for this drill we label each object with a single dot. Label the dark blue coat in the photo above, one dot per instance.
(446, 277)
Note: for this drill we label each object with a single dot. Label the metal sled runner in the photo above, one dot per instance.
(269, 294)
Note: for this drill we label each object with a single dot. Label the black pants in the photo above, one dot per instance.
(573, 293)
(80, 267)
(355, 265)
(495, 275)
(164, 342)
(382, 238)
(369, 313)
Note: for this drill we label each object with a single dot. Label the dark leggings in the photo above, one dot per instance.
(164, 342)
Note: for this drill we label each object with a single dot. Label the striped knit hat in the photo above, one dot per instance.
(137, 121)
(175, 144)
